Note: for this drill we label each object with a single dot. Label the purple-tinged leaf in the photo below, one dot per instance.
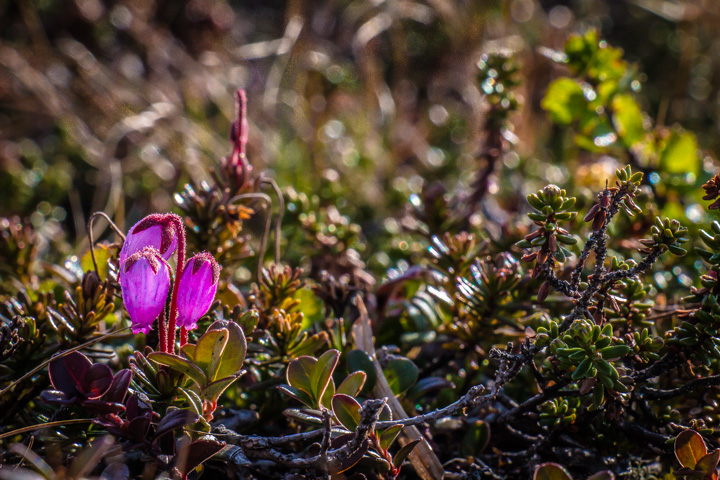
(196, 453)
(173, 420)
(137, 429)
(67, 373)
(56, 397)
(97, 380)
(119, 386)
(137, 405)
(102, 407)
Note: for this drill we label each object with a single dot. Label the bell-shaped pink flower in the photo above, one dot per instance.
(196, 290)
(156, 230)
(145, 282)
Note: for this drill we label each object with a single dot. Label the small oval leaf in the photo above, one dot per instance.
(346, 410)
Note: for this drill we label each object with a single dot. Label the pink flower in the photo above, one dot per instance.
(157, 230)
(197, 288)
(145, 283)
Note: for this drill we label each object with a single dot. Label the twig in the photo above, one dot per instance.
(281, 212)
(90, 223)
(659, 394)
(266, 232)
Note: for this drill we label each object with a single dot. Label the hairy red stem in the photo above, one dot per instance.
(180, 233)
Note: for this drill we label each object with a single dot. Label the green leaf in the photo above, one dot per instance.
(359, 360)
(551, 471)
(476, 439)
(216, 388)
(346, 410)
(102, 256)
(297, 394)
(388, 436)
(326, 399)
(614, 351)
(689, 448)
(403, 453)
(209, 350)
(564, 101)
(401, 374)
(322, 372)
(188, 351)
(680, 154)
(233, 356)
(628, 119)
(300, 373)
(193, 399)
(313, 417)
(181, 365)
(353, 383)
(311, 306)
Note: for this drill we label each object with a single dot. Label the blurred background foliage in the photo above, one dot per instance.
(354, 107)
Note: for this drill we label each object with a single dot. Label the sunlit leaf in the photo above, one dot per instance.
(564, 101)
(689, 448)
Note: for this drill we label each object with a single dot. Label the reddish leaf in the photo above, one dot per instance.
(119, 386)
(97, 380)
(689, 448)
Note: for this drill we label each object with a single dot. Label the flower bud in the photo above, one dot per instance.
(157, 231)
(145, 282)
(196, 290)
(236, 167)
